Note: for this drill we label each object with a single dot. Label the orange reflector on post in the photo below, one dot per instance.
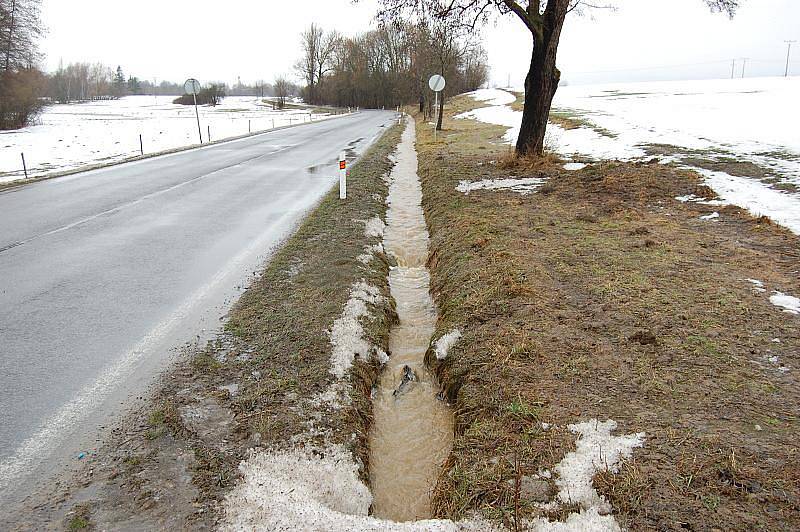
(342, 165)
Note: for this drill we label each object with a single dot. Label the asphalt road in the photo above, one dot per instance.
(104, 273)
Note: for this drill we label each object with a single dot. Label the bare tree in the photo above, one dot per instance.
(319, 54)
(391, 65)
(307, 65)
(544, 19)
(20, 29)
(281, 91)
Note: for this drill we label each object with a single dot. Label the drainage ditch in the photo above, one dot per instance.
(412, 432)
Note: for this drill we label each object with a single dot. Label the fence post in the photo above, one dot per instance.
(141, 144)
(24, 166)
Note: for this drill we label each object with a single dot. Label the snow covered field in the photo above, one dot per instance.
(75, 135)
(741, 134)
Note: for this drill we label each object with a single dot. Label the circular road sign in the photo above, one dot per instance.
(436, 83)
(192, 86)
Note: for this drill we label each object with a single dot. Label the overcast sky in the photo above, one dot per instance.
(642, 40)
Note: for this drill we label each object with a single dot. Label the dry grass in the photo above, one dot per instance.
(601, 296)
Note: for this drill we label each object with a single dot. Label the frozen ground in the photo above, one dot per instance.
(742, 133)
(75, 135)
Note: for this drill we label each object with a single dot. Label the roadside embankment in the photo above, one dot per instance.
(619, 351)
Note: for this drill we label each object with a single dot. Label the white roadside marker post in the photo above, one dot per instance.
(342, 176)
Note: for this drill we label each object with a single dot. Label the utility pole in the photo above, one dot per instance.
(788, 53)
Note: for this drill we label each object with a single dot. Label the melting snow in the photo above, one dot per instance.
(596, 450)
(756, 197)
(524, 186)
(442, 345)
(493, 96)
(788, 303)
(314, 489)
(374, 227)
(574, 166)
(719, 117)
(758, 286)
(347, 334)
(711, 216)
(585, 521)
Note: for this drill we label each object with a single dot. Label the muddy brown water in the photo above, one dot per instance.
(412, 432)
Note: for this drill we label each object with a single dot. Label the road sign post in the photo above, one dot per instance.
(342, 176)
(437, 84)
(192, 86)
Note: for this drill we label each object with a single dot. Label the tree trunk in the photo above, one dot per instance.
(542, 80)
(10, 35)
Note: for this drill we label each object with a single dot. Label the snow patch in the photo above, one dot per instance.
(493, 96)
(711, 216)
(758, 286)
(347, 334)
(315, 489)
(524, 186)
(789, 304)
(445, 342)
(374, 228)
(574, 166)
(596, 449)
(369, 253)
(585, 521)
(756, 197)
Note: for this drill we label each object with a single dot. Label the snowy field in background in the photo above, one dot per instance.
(752, 121)
(79, 134)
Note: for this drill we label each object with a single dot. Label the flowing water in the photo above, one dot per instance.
(413, 431)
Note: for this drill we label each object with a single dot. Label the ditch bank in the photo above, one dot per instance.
(617, 356)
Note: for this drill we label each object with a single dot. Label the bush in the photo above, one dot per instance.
(20, 98)
(211, 95)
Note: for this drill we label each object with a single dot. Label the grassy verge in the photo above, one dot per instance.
(601, 296)
(170, 464)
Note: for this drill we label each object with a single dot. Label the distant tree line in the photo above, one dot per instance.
(389, 66)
